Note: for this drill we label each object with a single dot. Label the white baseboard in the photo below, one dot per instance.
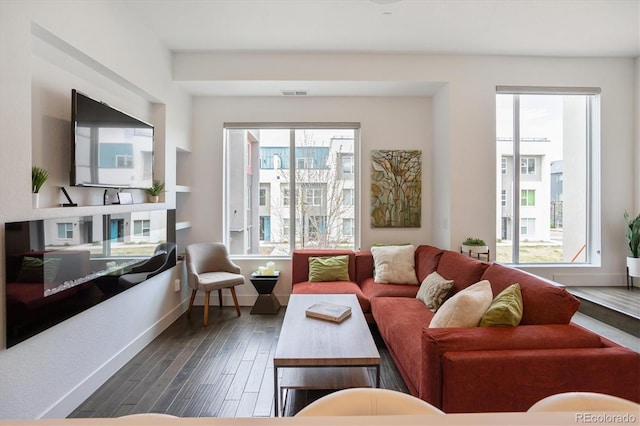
(69, 402)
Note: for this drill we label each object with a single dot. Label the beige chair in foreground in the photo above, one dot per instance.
(209, 268)
(583, 401)
(367, 402)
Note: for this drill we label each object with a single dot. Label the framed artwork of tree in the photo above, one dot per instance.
(396, 188)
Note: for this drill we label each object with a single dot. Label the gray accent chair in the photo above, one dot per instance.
(209, 268)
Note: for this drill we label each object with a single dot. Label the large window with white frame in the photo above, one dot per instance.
(547, 169)
(289, 186)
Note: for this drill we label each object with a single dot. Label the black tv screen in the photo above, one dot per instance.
(109, 148)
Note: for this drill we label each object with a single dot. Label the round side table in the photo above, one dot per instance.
(266, 304)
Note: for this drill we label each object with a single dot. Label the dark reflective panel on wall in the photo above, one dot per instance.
(57, 268)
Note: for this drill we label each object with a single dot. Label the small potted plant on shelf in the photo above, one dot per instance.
(38, 177)
(633, 244)
(474, 246)
(154, 192)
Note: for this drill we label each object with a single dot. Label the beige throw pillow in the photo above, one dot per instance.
(395, 264)
(434, 290)
(464, 309)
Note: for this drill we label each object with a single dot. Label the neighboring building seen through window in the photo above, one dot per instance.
(549, 160)
(298, 190)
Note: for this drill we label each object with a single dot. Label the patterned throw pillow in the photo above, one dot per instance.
(505, 310)
(329, 268)
(434, 290)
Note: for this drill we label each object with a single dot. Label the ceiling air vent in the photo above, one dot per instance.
(295, 92)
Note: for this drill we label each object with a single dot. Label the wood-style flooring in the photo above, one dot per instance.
(226, 369)
(223, 370)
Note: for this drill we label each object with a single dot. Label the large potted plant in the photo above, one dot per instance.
(474, 246)
(154, 192)
(633, 244)
(38, 177)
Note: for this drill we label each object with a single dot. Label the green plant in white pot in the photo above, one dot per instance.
(474, 246)
(633, 244)
(154, 192)
(38, 177)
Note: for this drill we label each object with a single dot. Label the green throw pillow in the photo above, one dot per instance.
(329, 268)
(505, 309)
(36, 270)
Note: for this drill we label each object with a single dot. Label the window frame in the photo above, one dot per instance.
(309, 164)
(593, 158)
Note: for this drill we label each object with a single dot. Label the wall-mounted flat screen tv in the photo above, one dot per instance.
(109, 149)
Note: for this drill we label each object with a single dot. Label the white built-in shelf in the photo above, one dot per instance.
(55, 212)
(183, 225)
(183, 188)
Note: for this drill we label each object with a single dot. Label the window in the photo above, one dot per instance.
(528, 166)
(347, 164)
(65, 231)
(303, 179)
(263, 196)
(347, 228)
(528, 197)
(347, 197)
(141, 228)
(313, 196)
(304, 163)
(553, 134)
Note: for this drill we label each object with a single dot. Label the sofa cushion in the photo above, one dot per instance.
(329, 268)
(464, 309)
(400, 321)
(542, 302)
(394, 264)
(372, 289)
(505, 309)
(334, 287)
(427, 258)
(462, 269)
(434, 290)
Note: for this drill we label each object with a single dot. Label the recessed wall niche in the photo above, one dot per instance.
(59, 267)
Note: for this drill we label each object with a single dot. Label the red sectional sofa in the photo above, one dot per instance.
(482, 369)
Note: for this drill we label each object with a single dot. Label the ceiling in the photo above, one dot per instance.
(567, 28)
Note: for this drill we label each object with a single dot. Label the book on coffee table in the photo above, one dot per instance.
(329, 311)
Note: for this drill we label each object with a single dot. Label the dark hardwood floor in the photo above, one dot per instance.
(226, 369)
(223, 370)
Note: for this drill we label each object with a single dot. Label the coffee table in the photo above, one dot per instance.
(318, 354)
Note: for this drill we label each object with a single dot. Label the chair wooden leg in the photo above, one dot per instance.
(206, 307)
(235, 300)
(193, 297)
(220, 296)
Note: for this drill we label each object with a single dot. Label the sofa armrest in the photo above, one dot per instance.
(438, 341)
(513, 380)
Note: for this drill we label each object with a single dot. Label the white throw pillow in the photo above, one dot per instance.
(464, 309)
(394, 264)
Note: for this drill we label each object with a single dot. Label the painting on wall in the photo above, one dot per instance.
(396, 188)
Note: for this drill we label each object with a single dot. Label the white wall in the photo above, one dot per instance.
(47, 48)
(387, 123)
(462, 132)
